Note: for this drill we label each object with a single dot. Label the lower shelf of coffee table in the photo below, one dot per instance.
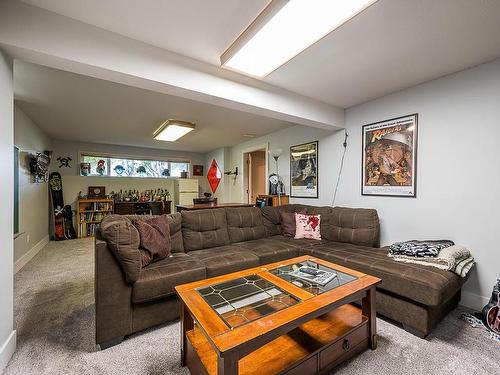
(315, 347)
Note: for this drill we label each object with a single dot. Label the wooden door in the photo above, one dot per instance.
(257, 175)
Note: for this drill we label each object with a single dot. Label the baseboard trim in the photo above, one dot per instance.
(7, 350)
(21, 262)
(473, 301)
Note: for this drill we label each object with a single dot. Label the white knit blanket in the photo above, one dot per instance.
(448, 259)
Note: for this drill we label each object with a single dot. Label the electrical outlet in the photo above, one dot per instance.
(28, 238)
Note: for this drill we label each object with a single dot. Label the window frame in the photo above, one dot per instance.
(109, 155)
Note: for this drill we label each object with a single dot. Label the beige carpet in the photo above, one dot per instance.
(54, 311)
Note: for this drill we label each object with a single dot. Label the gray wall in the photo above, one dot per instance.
(283, 139)
(74, 183)
(33, 197)
(458, 163)
(7, 335)
(223, 159)
(458, 159)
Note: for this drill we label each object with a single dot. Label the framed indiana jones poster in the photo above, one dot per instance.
(390, 157)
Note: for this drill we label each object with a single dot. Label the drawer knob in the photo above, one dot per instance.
(346, 346)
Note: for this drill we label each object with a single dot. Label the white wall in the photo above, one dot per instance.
(33, 197)
(73, 183)
(7, 333)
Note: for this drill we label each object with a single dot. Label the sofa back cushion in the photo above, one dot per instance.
(175, 226)
(176, 242)
(203, 229)
(245, 224)
(272, 220)
(123, 240)
(359, 226)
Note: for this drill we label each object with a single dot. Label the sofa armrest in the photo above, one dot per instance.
(113, 296)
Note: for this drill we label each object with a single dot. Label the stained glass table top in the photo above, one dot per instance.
(340, 278)
(245, 299)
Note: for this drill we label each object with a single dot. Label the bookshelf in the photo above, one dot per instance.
(90, 214)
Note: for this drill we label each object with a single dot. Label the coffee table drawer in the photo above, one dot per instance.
(309, 367)
(343, 346)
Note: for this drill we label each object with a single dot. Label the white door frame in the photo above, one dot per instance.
(259, 147)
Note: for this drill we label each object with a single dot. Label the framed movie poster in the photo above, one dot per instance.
(390, 157)
(304, 170)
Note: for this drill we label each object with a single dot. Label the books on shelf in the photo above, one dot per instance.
(99, 206)
(90, 214)
(88, 229)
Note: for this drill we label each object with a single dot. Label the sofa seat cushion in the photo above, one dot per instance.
(424, 284)
(270, 250)
(298, 243)
(159, 279)
(225, 259)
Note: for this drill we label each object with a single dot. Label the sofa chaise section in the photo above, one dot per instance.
(411, 294)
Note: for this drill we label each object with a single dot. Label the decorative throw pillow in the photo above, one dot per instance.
(123, 240)
(288, 222)
(307, 226)
(154, 239)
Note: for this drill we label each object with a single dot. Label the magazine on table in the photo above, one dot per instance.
(313, 275)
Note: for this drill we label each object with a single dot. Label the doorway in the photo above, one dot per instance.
(255, 174)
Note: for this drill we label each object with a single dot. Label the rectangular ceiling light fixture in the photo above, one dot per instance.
(171, 130)
(284, 29)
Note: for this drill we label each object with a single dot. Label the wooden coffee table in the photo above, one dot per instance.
(265, 321)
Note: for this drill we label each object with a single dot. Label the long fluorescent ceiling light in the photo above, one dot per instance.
(172, 130)
(284, 29)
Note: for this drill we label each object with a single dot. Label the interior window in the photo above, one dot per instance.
(176, 168)
(117, 166)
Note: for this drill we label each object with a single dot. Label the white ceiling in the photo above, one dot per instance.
(69, 106)
(201, 29)
(392, 45)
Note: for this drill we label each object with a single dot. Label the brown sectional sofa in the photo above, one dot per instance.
(208, 243)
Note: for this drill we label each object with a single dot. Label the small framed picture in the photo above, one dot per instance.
(197, 170)
(390, 157)
(97, 192)
(304, 170)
